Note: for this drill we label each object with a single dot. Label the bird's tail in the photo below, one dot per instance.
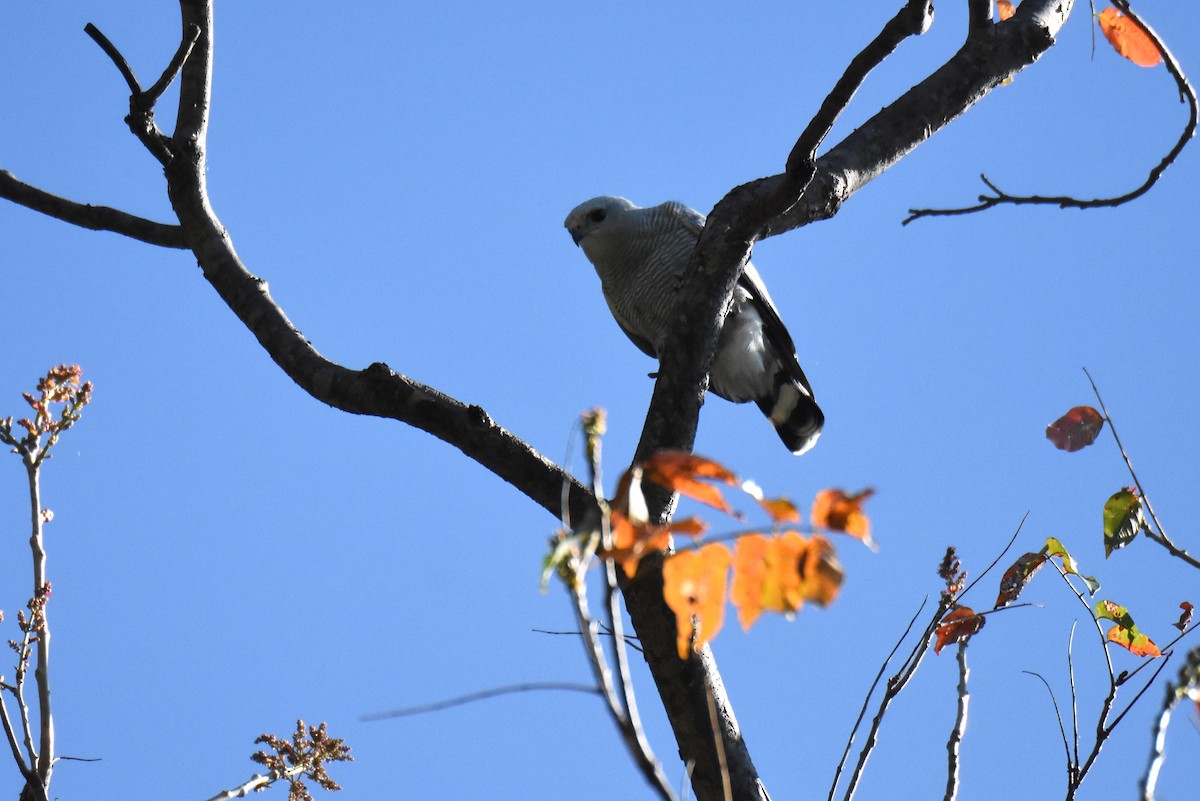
(794, 412)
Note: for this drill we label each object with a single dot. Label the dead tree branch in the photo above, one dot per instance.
(1187, 94)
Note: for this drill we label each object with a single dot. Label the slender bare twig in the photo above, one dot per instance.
(895, 685)
(996, 561)
(482, 695)
(115, 57)
(633, 736)
(1161, 664)
(719, 744)
(11, 733)
(960, 724)
(1159, 536)
(1165, 647)
(1071, 759)
(190, 37)
(837, 773)
(1187, 94)
(23, 651)
(630, 723)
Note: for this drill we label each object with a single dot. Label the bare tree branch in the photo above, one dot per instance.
(94, 218)
(862, 712)
(1187, 94)
(983, 63)
(482, 695)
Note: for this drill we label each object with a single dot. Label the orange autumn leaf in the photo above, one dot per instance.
(820, 572)
(680, 471)
(959, 624)
(781, 510)
(835, 510)
(767, 576)
(778, 574)
(632, 541)
(694, 588)
(1004, 10)
(749, 576)
(1128, 39)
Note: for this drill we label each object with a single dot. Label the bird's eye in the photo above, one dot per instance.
(597, 215)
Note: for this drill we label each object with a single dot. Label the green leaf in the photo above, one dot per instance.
(1122, 520)
(1055, 548)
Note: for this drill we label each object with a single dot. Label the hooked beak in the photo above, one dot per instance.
(576, 235)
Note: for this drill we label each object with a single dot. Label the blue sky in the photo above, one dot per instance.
(229, 555)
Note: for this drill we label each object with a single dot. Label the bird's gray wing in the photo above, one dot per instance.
(688, 217)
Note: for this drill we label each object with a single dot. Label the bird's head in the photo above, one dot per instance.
(598, 214)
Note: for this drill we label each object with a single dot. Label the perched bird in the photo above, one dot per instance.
(640, 256)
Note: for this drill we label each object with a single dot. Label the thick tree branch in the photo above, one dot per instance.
(94, 218)
(375, 391)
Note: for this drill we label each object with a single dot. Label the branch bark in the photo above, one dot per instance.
(94, 218)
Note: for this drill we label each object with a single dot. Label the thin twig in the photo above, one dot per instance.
(1161, 535)
(1162, 663)
(483, 695)
(634, 737)
(10, 733)
(1071, 759)
(719, 743)
(894, 686)
(1000, 556)
(190, 37)
(1074, 756)
(115, 56)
